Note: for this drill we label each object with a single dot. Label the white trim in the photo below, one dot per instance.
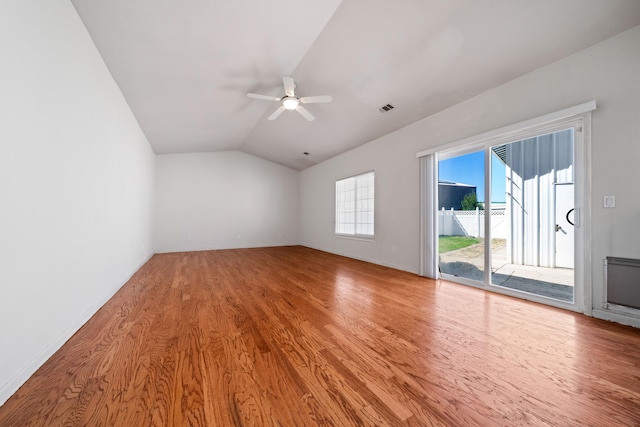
(360, 237)
(513, 130)
(579, 118)
(623, 317)
(366, 259)
(582, 248)
(20, 377)
(487, 218)
(356, 196)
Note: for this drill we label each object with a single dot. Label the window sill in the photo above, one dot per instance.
(356, 237)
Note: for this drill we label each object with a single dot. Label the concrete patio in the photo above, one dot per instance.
(468, 262)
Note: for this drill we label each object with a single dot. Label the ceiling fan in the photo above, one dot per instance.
(290, 101)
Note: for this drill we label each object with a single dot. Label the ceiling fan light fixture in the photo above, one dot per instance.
(290, 103)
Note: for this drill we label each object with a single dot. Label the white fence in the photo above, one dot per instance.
(471, 223)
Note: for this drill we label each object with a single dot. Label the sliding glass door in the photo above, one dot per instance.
(535, 224)
(461, 216)
(506, 216)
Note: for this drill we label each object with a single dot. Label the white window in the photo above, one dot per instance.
(354, 205)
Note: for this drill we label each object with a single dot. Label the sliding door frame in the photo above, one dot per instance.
(578, 118)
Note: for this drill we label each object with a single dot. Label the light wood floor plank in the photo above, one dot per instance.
(291, 336)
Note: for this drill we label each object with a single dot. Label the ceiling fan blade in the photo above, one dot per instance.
(276, 113)
(289, 86)
(263, 97)
(315, 99)
(303, 111)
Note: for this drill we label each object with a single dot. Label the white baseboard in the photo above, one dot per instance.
(618, 317)
(365, 259)
(10, 387)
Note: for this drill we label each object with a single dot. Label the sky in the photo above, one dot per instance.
(469, 169)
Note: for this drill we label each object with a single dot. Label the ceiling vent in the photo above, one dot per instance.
(385, 108)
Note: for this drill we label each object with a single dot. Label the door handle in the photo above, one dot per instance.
(568, 220)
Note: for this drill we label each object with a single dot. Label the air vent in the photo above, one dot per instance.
(385, 108)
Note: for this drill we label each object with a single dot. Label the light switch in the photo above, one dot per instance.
(609, 201)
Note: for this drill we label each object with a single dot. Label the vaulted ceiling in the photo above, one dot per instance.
(186, 66)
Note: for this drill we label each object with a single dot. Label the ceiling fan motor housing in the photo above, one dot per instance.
(290, 102)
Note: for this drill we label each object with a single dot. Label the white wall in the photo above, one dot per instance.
(396, 204)
(607, 72)
(224, 200)
(76, 184)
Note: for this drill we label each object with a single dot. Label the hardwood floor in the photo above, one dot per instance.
(291, 336)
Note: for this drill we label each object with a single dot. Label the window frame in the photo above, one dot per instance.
(358, 211)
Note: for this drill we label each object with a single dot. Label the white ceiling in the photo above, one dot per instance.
(185, 66)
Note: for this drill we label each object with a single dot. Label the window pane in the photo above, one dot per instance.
(354, 205)
(534, 200)
(460, 216)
